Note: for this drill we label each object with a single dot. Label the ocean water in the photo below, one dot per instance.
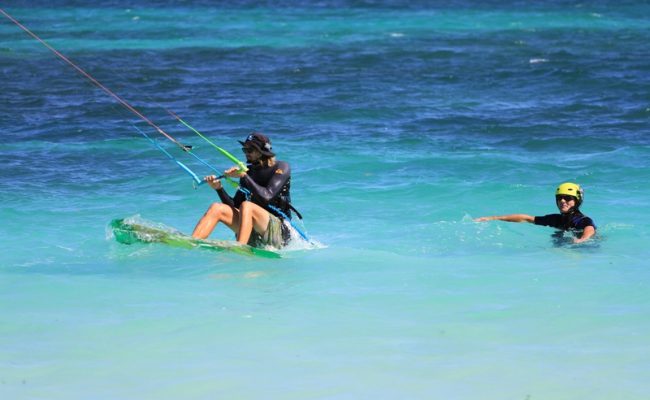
(402, 121)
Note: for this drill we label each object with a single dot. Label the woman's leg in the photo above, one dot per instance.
(251, 216)
(217, 212)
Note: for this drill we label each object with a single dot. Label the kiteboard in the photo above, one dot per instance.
(127, 231)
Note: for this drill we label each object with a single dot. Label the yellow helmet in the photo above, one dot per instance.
(571, 189)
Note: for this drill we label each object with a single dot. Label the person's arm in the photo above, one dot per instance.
(508, 218)
(225, 197)
(273, 188)
(587, 233)
(216, 185)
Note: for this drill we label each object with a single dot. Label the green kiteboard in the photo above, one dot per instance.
(127, 232)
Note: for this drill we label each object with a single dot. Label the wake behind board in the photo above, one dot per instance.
(130, 232)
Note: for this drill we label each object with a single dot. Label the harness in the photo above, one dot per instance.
(279, 212)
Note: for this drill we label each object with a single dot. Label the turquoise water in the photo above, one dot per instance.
(402, 123)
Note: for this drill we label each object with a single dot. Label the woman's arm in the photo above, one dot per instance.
(215, 184)
(268, 192)
(508, 218)
(587, 233)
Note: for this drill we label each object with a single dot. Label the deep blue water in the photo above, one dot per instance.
(402, 123)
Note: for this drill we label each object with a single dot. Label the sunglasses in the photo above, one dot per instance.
(564, 197)
(248, 150)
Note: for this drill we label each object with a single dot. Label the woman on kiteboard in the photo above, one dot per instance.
(262, 203)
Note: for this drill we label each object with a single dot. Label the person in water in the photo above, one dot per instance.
(257, 212)
(568, 198)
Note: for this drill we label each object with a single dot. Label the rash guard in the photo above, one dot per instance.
(573, 221)
(267, 186)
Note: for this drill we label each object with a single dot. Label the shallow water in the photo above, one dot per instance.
(402, 123)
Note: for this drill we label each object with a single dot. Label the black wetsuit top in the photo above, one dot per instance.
(573, 221)
(268, 187)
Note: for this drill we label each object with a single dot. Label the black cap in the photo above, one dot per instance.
(260, 142)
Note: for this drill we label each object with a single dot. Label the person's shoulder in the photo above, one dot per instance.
(582, 221)
(282, 167)
(555, 215)
(548, 219)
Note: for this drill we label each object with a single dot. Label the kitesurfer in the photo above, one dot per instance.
(258, 211)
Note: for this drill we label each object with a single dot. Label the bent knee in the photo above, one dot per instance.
(216, 209)
(245, 203)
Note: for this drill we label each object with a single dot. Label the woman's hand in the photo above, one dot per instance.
(588, 232)
(213, 182)
(234, 172)
(483, 219)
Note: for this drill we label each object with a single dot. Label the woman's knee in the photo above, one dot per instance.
(246, 206)
(216, 209)
(249, 209)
